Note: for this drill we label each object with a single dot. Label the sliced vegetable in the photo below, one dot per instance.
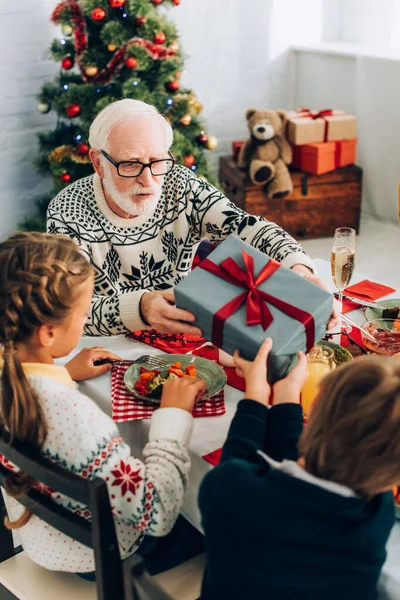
(190, 370)
(147, 375)
(176, 371)
(177, 365)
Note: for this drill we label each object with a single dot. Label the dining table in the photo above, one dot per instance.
(209, 433)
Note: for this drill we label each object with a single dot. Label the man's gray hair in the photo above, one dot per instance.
(122, 111)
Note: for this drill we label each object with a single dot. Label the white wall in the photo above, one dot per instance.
(24, 34)
(369, 88)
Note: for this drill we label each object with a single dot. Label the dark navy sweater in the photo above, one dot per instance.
(272, 536)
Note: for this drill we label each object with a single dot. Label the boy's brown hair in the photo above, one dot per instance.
(353, 434)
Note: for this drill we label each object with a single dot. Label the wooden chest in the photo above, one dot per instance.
(318, 204)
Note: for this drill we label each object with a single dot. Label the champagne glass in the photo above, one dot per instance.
(343, 258)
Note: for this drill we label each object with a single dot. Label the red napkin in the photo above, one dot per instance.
(213, 457)
(126, 407)
(183, 343)
(365, 290)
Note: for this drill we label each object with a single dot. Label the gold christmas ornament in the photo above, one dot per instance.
(195, 105)
(186, 119)
(212, 142)
(66, 29)
(43, 107)
(91, 71)
(111, 47)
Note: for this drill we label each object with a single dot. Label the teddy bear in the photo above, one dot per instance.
(267, 152)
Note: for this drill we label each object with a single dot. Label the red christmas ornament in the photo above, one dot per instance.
(82, 148)
(173, 86)
(131, 62)
(156, 2)
(188, 160)
(160, 37)
(176, 2)
(73, 110)
(202, 138)
(98, 14)
(140, 21)
(65, 177)
(67, 63)
(116, 3)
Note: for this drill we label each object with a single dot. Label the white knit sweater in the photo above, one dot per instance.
(154, 251)
(146, 497)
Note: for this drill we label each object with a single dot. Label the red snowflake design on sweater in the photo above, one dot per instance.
(126, 478)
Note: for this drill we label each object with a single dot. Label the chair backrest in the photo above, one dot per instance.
(98, 534)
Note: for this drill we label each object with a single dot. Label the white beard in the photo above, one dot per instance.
(125, 200)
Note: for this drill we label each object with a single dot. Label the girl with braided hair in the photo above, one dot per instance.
(46, 287)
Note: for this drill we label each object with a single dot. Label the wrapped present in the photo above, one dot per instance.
(304, 126)
(236, 149)
(240, 296)
(324, 157)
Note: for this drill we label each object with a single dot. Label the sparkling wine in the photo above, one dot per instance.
(342, 265)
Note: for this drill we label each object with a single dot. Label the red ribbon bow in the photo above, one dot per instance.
(322, 114)
(257, 311)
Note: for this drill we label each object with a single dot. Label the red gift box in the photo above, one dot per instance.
(236, 149)
(324, 157)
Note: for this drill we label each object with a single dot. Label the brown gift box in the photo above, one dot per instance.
(304, 126)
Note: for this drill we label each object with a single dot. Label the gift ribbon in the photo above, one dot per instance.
(306, 113)
(257, 311)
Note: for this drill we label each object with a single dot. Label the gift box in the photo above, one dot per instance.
(236, 149)
(240, 296)
(324, 157)
(304, 126)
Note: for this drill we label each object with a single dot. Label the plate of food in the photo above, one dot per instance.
(341, 355)
(146, 382)
(390, 310)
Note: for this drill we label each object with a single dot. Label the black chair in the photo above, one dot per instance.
(115, 580)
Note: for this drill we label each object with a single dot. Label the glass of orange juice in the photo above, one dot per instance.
(320, 363)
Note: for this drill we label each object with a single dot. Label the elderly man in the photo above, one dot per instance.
(140, 218)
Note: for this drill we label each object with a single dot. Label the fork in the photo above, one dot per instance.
(154, 361)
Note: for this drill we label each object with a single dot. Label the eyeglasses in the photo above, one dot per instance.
(135, 168)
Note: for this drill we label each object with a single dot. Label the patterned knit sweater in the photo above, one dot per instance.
(146, 497)
(154, 251)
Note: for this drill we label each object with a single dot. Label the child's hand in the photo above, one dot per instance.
(255, 373)
(182, 392)
(82, 365)
(288, 389)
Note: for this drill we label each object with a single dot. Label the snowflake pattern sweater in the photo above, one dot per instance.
(146, 497)
(154, 251)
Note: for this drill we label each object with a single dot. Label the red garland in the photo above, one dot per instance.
(104, 76)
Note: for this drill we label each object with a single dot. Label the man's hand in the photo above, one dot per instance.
(159, 311)
(255, 373)
(308, 274)
(288, 390)
(82, 365)
(182, 392)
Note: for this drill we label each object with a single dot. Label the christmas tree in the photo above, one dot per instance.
(113, 49)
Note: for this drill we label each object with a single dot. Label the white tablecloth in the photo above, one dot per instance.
(209, 433)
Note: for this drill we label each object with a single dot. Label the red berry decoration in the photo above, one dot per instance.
(98, 14)
(67, 63)
(156, 2)
(188, 160)
(82, 148)
(140, 21)
(160, 37)
(173, 86)
(176, 2)
(65, 177)
(116, 3)
(73, 110)
(131, 62)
